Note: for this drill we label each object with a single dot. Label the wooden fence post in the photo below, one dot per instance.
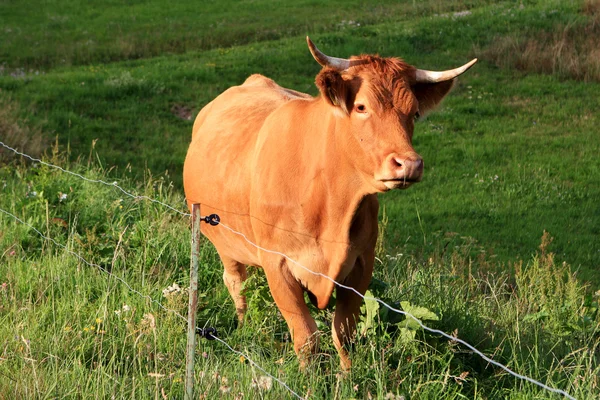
(192, 305)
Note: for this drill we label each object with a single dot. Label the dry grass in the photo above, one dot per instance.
(591, 7)
(569, 51)
(15, 133)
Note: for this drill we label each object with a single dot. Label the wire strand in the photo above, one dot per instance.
(282, 383)
(437, 331)
(78, 256)
(472, 348)
(112, 184)
(82, 259)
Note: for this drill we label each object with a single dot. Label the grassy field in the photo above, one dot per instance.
(500, 243)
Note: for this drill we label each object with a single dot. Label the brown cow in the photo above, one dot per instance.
(300, 175)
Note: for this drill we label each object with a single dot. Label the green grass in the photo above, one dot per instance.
(535, 132)
(71, 330)
(514, 161)
(42, 35)
(510, 154)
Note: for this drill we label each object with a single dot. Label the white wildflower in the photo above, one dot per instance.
(460, 14)
(392, 396)
(263, 383)
(174, 288)
(124, 309)
(225, 389)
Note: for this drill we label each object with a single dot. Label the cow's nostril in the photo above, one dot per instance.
(409, 168)
(398, 162)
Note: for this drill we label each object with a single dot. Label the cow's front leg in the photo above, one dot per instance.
(347, 305)
(289, 297)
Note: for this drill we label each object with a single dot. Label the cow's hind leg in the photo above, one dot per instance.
(234, 276)
(289, 297)
(347, 306)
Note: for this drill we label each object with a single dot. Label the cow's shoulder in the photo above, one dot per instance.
(244, 108)
(262, 81)
(259, 80)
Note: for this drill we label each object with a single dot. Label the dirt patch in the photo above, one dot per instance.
(182, 111)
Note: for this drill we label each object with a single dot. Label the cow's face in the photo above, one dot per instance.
(377, 104)
(376, 101)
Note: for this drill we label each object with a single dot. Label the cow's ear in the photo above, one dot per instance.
(430, 95)
(334, 89)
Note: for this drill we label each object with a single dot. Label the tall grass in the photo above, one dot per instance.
(74, 331)
(569, 50)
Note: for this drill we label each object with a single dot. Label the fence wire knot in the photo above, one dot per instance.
(207, 333)
(212, 219)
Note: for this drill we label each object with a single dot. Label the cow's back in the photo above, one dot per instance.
(217, 169)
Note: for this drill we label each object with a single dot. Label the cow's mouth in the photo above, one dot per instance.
(398, 183)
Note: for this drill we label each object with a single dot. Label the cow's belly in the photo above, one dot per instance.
(231, 238)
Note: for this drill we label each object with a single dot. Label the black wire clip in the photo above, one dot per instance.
(212, 219)
(207, 333)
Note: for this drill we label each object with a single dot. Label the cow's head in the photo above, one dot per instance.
(377, 101)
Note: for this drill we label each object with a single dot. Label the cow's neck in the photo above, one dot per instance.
(343, 189)
(305, 182)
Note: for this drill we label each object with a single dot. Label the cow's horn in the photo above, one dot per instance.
(340, 64)
(424, 76)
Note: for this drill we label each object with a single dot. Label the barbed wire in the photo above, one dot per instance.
(282, 383)
(147, 297)
(112, 184)
(91, 264)
(407, 314)
(383, 303)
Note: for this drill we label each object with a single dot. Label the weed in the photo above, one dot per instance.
(18, 133)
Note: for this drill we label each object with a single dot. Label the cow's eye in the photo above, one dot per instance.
(417, 115)
(360, 108)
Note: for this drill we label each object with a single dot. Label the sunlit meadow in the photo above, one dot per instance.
(499, 245)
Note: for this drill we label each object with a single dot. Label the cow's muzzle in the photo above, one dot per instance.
(403, 171)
